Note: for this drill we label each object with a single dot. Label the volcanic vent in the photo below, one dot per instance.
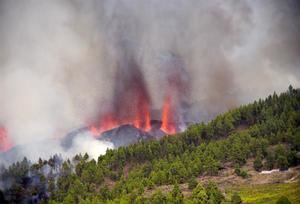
(130, 112)
(130, 116)
(131, 102)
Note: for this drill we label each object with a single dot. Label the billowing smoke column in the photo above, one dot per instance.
(70, 64)
(177, 90)
(131, 101)
(131, 98)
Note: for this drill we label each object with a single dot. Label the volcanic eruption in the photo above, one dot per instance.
(152, 66)
(168, 120)
(131, 102)
(176, 93)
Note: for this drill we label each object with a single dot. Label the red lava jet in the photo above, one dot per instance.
(107, 122)
(131, 101)
(142, 116)
(5, 143)
(177, 91)
(168, 124)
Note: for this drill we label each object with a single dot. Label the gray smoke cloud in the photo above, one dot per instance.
(58, 59)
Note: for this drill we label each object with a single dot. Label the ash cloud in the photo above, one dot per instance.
(59, 59)
(130, 90)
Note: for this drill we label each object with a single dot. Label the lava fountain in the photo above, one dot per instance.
(131, 101)
(168, 123)
(176, 93)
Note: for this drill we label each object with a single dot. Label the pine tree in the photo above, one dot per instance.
(258, 163)
(199, 195)
(176, 195)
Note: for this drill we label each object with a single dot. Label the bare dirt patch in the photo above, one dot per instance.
(228, 179)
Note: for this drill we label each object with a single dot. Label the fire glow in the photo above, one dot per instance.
(141, 118)
(131, 102)
(5, 143)
(109, 121)
(168, 123)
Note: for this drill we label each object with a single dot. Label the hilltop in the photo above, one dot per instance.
(207, 163)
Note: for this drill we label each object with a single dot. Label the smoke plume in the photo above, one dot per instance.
(69, 64)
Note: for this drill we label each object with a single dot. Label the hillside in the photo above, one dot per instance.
(208, 163)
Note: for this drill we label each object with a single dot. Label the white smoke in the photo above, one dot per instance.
(58, 59)
(46, 147)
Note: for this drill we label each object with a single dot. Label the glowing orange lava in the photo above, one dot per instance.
(168, 124)
(142, 116)
(107, 122)
(141, 120)
(5, 143)
(130, 102)
(137, 113)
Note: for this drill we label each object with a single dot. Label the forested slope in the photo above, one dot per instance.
(266, 131)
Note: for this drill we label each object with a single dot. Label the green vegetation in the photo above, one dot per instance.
(283, 200)
(236, 199)
(192, 183)
(240, 172)
(268, 193)
(258, 165)
(271, 137)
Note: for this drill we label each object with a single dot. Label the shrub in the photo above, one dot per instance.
(243, 174)
(192, 183)
(283, 200)
(240, 172)
(258, 163)
(236, 199)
